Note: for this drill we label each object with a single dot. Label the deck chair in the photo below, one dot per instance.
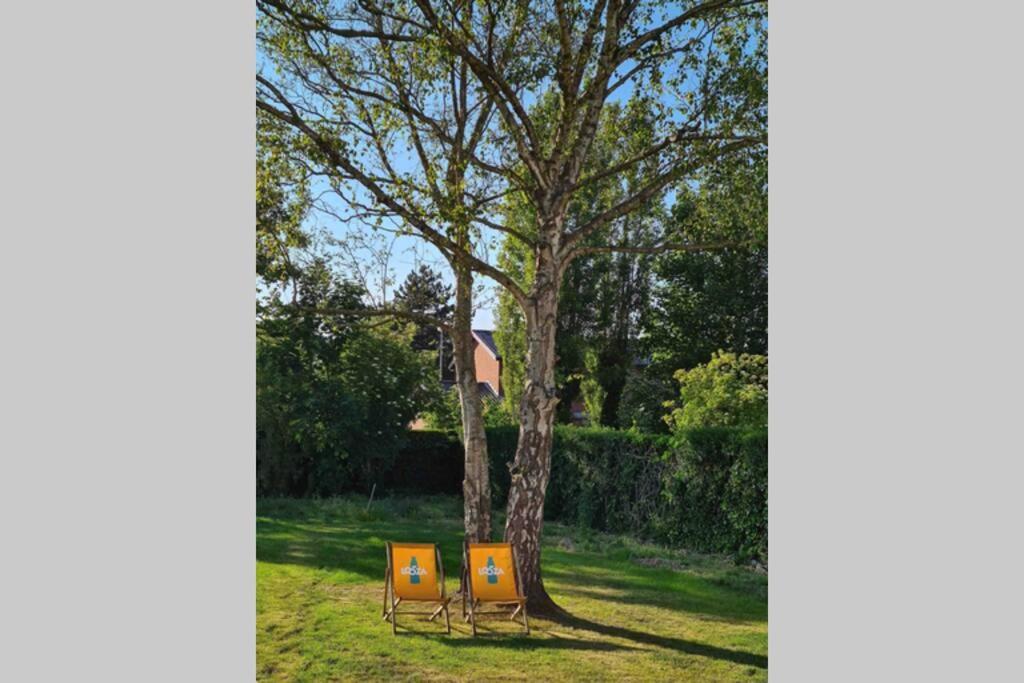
(490, 574)
(414, 574)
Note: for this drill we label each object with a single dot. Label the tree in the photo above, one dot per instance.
(603, 298)
(704, 302)
(339, 112)
(365, 82)
(425, 293)
(510, 327)
(707, 301)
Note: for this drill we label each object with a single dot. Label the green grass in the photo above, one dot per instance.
(640, 612)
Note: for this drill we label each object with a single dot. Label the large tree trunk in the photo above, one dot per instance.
(476, 487)
(531, 468)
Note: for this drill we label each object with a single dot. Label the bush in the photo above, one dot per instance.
(728, 391)
(430, 462)
(702, 489)
(642, 406)
(605, 479)
(715, 490)
(746, 499)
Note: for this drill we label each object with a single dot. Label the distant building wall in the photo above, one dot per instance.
(488, 368)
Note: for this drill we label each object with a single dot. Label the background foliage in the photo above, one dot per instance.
(702, 489)
(334, 395)
(628, 321)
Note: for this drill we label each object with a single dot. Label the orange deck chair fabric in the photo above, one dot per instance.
(414, 574)
(493, 577)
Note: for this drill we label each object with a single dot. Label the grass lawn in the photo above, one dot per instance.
(640, 612)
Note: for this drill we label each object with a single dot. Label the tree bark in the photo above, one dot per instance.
(531, 468)
(476, 487)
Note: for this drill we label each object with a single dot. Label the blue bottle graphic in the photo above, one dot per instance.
(492, 572)
(414, 574)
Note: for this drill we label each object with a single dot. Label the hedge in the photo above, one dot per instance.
(429, 462)
(706, 489)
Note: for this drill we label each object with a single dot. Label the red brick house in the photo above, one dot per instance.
(488, 370)
(488, 364)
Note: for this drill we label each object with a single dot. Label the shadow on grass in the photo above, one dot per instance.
(488, 638)
(359, 550)
(704, 608)
(529, 644)
(645, 587)
(678, 644)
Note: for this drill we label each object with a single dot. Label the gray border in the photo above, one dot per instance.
(128, 352)
(895, 332)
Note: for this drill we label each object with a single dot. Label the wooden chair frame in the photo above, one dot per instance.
(389, 594)
(470, 611)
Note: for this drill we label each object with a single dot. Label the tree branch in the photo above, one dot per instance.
(648, 192)
(594, 97)
(505, 229)
(430, 234)
(632, 47)
(662, 248)
(412, 316)
(512, 110)
(683, 134)
(309, 22)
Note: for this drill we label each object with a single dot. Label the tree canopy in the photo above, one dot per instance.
(424, 292)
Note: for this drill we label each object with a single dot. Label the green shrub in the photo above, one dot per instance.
(501, 449)
(746, 499)
(604, 478)
(430, 462)
(728, 391)
(702, 489)
(445, 413)
(642, 406)
(716, 491)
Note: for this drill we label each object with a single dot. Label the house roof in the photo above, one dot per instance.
(485, 389)
(486, 337)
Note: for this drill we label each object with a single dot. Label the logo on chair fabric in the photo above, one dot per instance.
(414, 571)
(491, 571)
